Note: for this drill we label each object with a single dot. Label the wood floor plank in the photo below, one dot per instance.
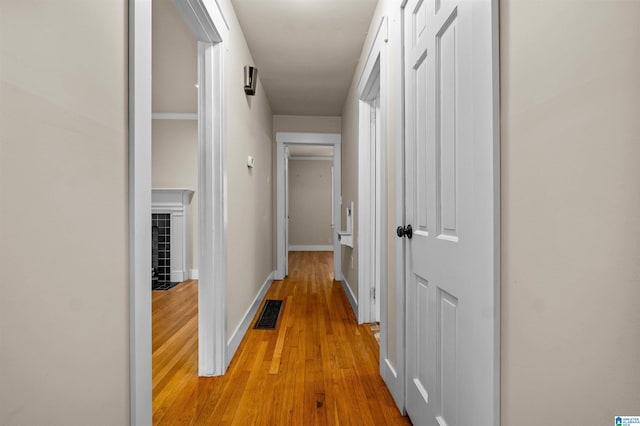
(277, 353)
(317, 368)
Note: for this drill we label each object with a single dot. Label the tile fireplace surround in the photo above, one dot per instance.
(176, 202)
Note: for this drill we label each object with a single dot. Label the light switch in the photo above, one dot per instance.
(250, 161)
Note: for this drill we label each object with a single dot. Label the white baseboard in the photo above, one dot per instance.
(396, 386)
(311, 248)
(241, 329)
(193, 274)
(350, 296)
(177, 276)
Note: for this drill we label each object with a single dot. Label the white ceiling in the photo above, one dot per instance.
(306, 51)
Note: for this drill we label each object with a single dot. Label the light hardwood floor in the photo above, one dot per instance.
(318, 367)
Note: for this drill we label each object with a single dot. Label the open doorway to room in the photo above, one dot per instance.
(309, 189)
(308, 196)
(174, 167)
(174, 201)
(209, 29)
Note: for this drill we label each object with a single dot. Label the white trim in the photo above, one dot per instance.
(193, 274)
(308, 138)
(205, 18)
(372, 86)
(311, 248)
(352, 299)
(140, 349)
(283, 139)
(241, 329)
(310, 158)
(207, 23)
(174, 116)
(212, 213)
(495, 68)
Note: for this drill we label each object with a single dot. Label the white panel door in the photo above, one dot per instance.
(451, 168)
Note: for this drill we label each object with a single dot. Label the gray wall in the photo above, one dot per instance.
(175, 61)
(298, 123)
(391, 10)
(64, 314)
(250, 202)
(310, 203)
(64, 308)
(175, 165)
(570, 211)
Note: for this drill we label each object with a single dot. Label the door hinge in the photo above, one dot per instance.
(373, 293)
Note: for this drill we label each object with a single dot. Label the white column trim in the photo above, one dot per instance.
(140, 375)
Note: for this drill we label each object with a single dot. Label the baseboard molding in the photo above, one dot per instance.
(193, 274)
(177, 276)
(350, 296)
(311, 248)
(241, 329)
(390, 377)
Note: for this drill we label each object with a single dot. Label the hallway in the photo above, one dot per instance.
(317, 367)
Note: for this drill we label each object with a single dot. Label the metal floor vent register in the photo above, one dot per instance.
(269, 316)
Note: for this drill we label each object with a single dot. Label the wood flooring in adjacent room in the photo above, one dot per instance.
(317, 367)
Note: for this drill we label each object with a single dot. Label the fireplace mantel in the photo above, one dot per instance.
(176, 201)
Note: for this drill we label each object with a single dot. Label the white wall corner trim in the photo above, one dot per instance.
(394, 382)
(241, 329)
(372, 99)
(311, 248)
(352, 299)
(309, 158)
(140, 349)
(193, 274)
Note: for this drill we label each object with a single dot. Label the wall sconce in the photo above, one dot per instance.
(250, 80)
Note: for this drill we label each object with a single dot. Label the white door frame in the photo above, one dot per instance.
(371, 87)
(373, 83)
(206, 21)
(283, 139)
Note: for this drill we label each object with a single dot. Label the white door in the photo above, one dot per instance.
(452, 369)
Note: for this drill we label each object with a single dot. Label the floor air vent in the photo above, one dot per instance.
(269, 316)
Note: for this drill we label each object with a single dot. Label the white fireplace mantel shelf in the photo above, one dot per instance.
(171, 197)
(176, 202)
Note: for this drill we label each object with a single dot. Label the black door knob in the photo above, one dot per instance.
(402, 231)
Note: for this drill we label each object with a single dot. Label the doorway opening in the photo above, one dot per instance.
(319, 148)
(206, 22)
(309, 197)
